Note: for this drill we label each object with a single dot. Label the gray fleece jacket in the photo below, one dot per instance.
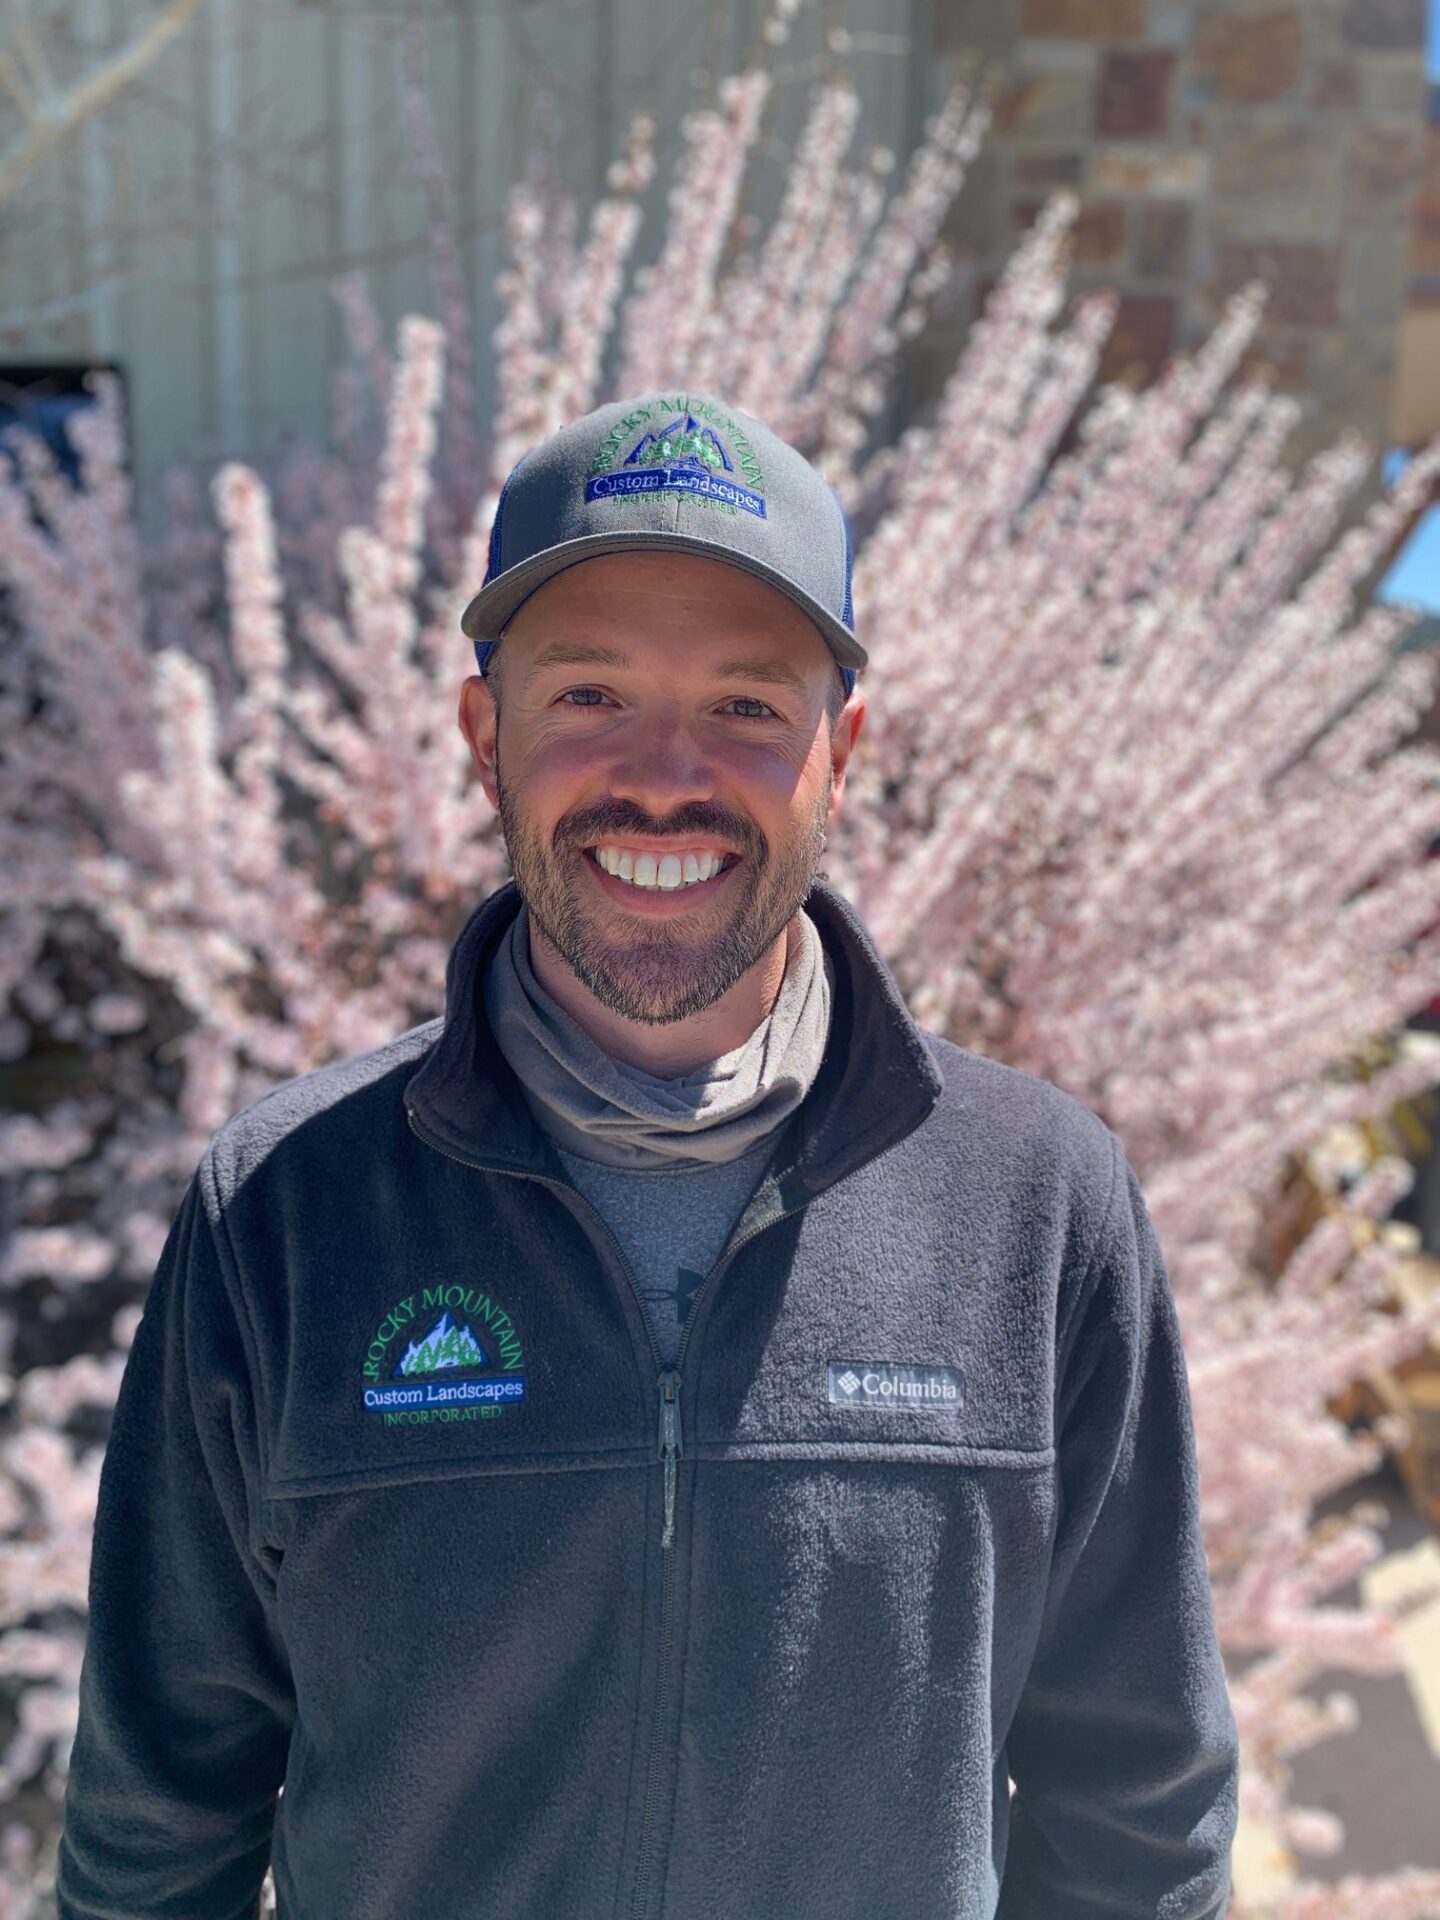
(419, 1574)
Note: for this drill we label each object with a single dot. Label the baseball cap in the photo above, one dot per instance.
(678, 471)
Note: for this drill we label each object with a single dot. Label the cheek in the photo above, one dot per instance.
(556, 761)
(777, 762)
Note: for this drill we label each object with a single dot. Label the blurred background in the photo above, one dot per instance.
(186, 191)
(180, 184)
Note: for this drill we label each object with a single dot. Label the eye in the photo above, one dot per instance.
(585, 701)
(744, 700)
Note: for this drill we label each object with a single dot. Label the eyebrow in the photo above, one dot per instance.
(769, 672)
(561, 655)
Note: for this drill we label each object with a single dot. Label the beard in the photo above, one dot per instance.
(659, 971)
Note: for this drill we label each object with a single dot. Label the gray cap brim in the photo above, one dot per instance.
(493, 605)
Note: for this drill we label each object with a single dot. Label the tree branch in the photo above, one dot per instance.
(64, 112)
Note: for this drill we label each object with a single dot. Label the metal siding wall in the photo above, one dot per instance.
(279, 127)
(102, 309)
(156, 139)
(286, 230)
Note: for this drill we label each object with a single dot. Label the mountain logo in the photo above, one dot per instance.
(684, 443)
(444, 1346)
(468, 1365)
(680, 445)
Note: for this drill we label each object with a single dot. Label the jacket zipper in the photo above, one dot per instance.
(670, 1450)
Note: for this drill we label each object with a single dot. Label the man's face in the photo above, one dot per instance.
(660, 705)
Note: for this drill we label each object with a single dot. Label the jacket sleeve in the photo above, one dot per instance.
(1124, 1749)
(185, 1695)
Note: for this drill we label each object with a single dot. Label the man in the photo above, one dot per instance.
(673, 1438)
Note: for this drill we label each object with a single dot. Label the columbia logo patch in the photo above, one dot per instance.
(882, 1383)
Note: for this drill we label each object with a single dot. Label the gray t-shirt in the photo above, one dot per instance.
(671, 1223)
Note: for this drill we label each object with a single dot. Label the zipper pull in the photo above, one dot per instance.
(670, 1447)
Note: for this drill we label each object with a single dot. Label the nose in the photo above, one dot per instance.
(662, 764)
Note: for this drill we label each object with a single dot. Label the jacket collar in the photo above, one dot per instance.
(876, 1083)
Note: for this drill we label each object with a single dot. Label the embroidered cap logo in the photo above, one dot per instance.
(685, 453)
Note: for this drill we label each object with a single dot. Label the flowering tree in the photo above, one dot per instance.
(1133, 811)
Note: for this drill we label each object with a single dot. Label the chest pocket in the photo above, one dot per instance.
(808, 1352)
(485, 1372)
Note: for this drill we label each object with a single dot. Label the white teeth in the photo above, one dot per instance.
(666, 873)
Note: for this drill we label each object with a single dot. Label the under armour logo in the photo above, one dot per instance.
(686, 1281)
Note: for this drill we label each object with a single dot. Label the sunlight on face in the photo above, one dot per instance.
(663, 702)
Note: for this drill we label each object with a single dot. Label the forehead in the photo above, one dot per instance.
(640, 596)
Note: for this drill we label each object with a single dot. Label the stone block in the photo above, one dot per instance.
(974, 220)
(1353, 379)
(1045, 107)
(1384, 168)
(1098, 237)
(1038, 172)
(1141, 340)
(1392, 83)
(1280, 353)
(1276, 161)
(1162, 240)
(1158, 172)
(1085, 19)
(1171, 23)
(1132, 101)
(1295, 216)
(1384, 23)
(1248, 58)
(1377, 272)
(1334, 87)
(1324, 30)
(1058, 56)
(1303, 277)
(1425, 234)
(965, 25)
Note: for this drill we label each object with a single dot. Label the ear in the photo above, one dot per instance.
(848, 723)
(478, 723)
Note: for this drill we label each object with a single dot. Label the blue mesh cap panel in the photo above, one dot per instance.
(492, 558)
(847, 613)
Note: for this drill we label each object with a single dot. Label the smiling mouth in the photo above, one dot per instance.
(649, 872)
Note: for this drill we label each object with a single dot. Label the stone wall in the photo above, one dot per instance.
(1417, 394)
(1210, 143)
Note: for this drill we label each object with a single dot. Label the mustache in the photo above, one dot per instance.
(617, 818)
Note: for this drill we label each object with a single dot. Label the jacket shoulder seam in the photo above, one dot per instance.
(1081, 1288)
(230, 1268)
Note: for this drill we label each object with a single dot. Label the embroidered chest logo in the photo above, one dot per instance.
(443, 1354)
(679, 446)
(880, 1383)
